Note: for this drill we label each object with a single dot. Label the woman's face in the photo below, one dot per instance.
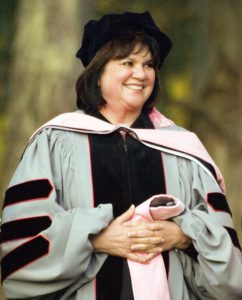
(127, 83)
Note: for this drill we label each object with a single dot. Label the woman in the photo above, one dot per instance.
(69, 229)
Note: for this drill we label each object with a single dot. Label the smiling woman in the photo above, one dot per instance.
(114, 201)
(120, 52)
(126, 84)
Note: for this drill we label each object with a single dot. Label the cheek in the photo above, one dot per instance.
(122, 76)
(111, 91)
(108, 88)
(112, 85)
(151, 77)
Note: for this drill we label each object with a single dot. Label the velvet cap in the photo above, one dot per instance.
(115, 26)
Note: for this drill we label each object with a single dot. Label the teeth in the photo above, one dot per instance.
(135, 87)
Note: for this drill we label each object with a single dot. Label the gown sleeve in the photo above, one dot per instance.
(46, 222)
(217, 270)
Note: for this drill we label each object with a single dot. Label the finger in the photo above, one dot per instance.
(145, 225)
(145, 248)
(135, 223)
(148, 257)
(143, 234)
(144, 259)
(126, 215)
(156, 226)
(137, 258)
(148, 240)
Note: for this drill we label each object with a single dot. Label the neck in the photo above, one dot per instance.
(118, 117)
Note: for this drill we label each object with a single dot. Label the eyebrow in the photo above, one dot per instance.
(150, 60)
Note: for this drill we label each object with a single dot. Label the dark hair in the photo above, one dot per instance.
(89, 97)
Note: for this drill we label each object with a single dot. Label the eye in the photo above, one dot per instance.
(128, 63)
(149, 65)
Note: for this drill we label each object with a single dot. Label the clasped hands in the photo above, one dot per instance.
(128, 239)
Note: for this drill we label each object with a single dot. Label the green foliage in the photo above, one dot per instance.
(7, 30)
(4, 124)
(114, 6)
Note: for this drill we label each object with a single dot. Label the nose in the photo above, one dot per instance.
(139, 72)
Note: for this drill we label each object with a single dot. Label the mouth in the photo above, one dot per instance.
(134, 87)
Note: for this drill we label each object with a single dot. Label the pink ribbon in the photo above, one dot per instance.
(149, 281)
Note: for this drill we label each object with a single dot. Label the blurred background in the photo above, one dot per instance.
(200, 81)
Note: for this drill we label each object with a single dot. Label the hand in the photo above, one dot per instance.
(169, 233)
(145, 237)
(114, 240)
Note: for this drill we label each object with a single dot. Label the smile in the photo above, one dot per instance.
(134, 87)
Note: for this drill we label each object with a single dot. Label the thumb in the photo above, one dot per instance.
(126, 215)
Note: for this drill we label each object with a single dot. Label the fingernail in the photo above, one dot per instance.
(142, 261)
(145, 261)
(130, 234)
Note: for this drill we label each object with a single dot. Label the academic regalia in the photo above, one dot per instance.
(74, 179)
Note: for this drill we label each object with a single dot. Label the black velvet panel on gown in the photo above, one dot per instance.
(125, 172)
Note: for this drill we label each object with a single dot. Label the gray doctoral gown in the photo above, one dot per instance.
(49, 214)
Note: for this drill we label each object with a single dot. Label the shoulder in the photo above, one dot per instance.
(174, 127)
(55, 129)
(50, 141)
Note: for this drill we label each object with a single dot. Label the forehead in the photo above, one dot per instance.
(141, 51)
(120, 49)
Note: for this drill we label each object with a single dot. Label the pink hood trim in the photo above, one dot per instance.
(181, 141)
(159, 120)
